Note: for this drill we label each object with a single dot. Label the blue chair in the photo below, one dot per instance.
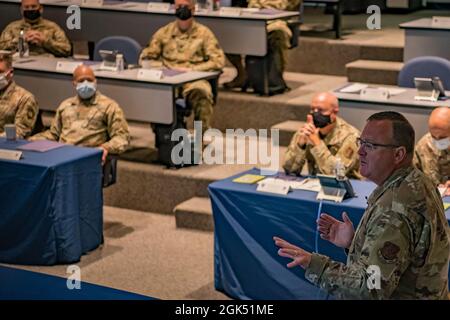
(129, 47)
(425, 67)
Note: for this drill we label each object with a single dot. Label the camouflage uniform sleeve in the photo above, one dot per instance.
(348, 153)
(387, 247)
(295, 157)
(7, 39)
(26, 116)
(55, 129)
(215, 58)
(428, 164)
(154, 49)
(57, 43)
(117, 130)
(275, 4)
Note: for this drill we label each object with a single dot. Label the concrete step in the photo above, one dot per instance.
(385, 53)
(374, 71)
(195, 213)
(287, 130)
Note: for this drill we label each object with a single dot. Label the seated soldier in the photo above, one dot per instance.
(17, 105)
(89, 119)
(187, 45)
(42, 36)
(432, 154)
(279, 37)
(323, 140)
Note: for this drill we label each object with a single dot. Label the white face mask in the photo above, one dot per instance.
(3, 81)
(442, 144)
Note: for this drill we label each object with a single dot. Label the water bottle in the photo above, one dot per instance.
(339, 169)
(119, 62)
(21, 43)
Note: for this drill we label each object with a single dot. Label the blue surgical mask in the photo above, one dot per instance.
(86, 89)
(442, 144)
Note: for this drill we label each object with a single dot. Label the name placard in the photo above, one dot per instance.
(438, 21)
(150, 74)
(158, 7)
(92, 3)
(10, 154)
(230, 11)
(67, 66)
(374, 94)
(271, 187)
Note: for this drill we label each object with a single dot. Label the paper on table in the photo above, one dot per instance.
(41, 146)
(307, 184)
(354, 88)
(394, 91)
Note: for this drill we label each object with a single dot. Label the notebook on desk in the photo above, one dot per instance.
(41, 146)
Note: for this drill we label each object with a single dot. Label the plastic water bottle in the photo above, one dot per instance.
(339, 169)
(119, 62)
(23, 47)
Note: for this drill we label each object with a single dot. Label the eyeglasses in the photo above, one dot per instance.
(370, 146)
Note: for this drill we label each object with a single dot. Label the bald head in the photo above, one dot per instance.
(439, 123)
(326, 102)
(82, 73)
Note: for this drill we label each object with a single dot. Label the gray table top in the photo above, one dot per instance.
(247, 14)
(48, 64)
(403, 99)
(424, 23)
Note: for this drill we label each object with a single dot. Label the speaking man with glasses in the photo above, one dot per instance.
(323, 141)
(403, 234)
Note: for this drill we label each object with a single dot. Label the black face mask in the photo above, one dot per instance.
(32, 14)
(183, 13)
(320, 120)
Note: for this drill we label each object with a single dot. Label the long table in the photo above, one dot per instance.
(246, 263)
(141, 100)
(424, 39)
(244, 34)
(51, 205)
(27, 285)
(355, 109)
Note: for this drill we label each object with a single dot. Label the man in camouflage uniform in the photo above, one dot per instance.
(89, 119)
(43, 37)
(324, 140)
(403, 233)
(432, 154)
(279, 37)
(187, 45)
(17, 105)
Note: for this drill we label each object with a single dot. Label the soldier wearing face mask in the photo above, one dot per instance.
(42, 36)
(17, 105)
(186, 45)
(432, 154)
(89, 119)
(323, 141)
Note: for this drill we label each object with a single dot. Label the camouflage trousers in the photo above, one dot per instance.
(199, 97)
(278, 41)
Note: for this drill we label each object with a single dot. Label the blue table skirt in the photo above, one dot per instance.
(51, 205)
(26, 285)
(246, 263)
